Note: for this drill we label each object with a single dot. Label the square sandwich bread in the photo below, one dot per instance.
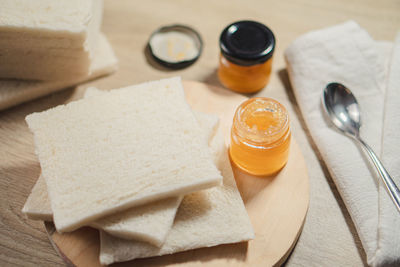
(149, 223)
(61, 35)
(110, 152)
(14, 92)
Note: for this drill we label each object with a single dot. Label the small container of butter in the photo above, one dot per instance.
(175, 46)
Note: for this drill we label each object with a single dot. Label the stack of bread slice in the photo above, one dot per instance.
(48, 45)
(138, 164)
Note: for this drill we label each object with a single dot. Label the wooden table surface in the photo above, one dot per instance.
(128, 25)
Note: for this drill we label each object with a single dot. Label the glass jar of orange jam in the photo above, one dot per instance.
(246, 56)
(260, 136)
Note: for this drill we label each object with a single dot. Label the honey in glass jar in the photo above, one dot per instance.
(246, 56)
(260, 136)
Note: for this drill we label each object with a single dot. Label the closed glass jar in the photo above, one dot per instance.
(260, 136)
(245, 62)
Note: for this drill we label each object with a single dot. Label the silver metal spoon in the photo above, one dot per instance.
(342, 108)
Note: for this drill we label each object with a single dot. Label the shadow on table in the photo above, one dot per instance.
(20, 111)
(284, 77)
(213, 79)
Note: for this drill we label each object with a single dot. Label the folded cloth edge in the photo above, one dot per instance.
(304, 41)
(388, 251)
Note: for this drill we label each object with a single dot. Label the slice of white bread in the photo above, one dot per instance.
(108, 153)
(14, 92)
(204, 219)
(59, 36)
(149, 223)
(37, 205)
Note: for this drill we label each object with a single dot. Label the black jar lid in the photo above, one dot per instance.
(247, 43)
(175, 46)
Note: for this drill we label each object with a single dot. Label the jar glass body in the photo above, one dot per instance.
(263, 151)
(244, 79)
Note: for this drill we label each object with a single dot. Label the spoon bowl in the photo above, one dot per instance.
(342, 108)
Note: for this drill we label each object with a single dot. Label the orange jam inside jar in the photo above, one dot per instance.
(246, 56)
(260, 136)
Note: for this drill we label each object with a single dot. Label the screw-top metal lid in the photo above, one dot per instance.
(175, 46)
(247, 43)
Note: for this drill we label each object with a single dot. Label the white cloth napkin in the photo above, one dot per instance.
(347, 54)
(389, 218)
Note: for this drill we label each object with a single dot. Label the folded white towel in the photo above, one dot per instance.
(347, 54)
(389, 219)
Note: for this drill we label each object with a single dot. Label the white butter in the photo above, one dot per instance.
(174, 46)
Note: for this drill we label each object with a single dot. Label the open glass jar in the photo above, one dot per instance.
(246, 56)
(260, 136)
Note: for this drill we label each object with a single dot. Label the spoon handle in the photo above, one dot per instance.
(391, 187)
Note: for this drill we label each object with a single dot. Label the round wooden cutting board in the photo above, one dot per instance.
(277, 206)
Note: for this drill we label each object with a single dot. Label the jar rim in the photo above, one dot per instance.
(189, 32)
(256, 136)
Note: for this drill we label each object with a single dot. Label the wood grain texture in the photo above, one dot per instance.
(128, 25)
(277, 205)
